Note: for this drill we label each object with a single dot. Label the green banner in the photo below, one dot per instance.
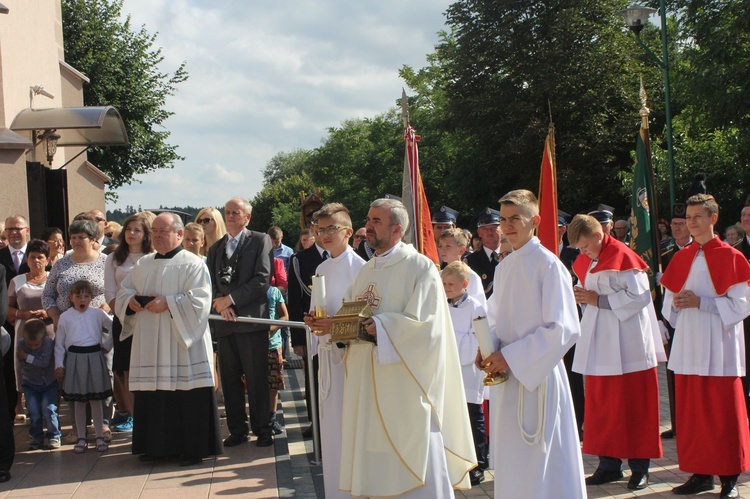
(642, 239)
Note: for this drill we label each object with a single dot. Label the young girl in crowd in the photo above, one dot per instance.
(79, 361)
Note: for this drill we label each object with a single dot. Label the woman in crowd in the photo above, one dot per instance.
(734, 235)
(56, 244)
(83, 263)
(213, 226)
(135, 241)
(25, 299)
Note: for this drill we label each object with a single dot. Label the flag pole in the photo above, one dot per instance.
(653, 204)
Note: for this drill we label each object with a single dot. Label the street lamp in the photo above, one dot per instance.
(636, 17)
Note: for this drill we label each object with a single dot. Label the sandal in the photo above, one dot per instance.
(107, 434)
(81, 446)
(101, 445)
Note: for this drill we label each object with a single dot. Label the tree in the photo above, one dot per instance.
(124, 71)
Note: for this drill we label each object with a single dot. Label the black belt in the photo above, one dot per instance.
(87, 349)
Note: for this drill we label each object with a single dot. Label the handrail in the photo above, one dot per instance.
(313, 388)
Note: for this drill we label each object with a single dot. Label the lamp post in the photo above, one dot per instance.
(636, 17)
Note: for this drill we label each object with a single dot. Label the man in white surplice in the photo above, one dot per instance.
(334, 230)
(534, 439)
(405, 429)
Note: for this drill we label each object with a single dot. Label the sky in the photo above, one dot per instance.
(268, 77)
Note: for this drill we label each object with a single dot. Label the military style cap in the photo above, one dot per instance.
(562, 218)
(603, 213)
(679, 210)
(444, 215)
(488, 216)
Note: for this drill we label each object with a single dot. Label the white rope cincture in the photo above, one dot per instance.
(324, 352)
(538, 435)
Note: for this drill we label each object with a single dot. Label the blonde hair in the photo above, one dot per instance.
(458, 269)
(195, 228)
(457, 235)
(583, 226)
(336, 211)
(221, 228)
(524, 199)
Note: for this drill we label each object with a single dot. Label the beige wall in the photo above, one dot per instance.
(13, 185)
(85, 190)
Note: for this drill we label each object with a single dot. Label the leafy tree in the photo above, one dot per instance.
(123, 66)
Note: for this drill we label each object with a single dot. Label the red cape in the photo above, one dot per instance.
(614, 256)
(726, 266)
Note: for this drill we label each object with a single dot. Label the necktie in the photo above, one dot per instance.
(231, 247)
(495, 259)
(325, 254)
(17, 259)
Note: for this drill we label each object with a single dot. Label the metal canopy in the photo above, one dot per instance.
(76, 126)
(11, 140)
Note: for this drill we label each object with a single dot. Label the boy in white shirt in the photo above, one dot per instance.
(452, 245)
(464, 308)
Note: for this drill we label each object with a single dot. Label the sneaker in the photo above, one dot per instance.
(70, 439)
(54, 443)
(126, 425)
(276, 426)
(119, 418)
(36, 444)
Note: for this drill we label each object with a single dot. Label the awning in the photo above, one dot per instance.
(76, 126)
(11, 140)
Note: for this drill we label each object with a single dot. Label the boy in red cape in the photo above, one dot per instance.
(706, 300)
(618, 351)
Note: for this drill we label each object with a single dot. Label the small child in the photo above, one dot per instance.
(464, 308)
(452, 246)
(35, 351)
(276, 311)
(194, 239)
(80, 363)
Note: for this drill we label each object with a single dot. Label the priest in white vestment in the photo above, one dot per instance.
(405, 430)
(334, 230)
(532, 310)
(164, 304)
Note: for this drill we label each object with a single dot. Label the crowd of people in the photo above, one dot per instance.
(117, 324)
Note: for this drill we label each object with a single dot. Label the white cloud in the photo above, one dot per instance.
(269, 76)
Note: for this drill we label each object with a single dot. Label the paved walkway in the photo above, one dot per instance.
(283, 470)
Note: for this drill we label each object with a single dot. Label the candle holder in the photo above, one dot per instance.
(486, 348)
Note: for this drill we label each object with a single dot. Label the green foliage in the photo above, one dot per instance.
(124, 70)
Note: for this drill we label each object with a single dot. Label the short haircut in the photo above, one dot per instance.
(248, 208)
(177, 223)
(81, 287)
(738, 229)
(583, 226)
(195, 228)
(88, 227)
(337, 211)
(48, 232)
(458, 269)
(457, 235)
(524, 199)
(23, 219)
(399, 215)
(705, 200)
(34, 330)
(275, 232)
(37, 246)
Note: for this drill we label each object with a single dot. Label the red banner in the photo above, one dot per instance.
(420, 232)
(547, 231)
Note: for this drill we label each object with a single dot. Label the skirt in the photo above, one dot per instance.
(86, 375)
(121, 349)
(180, 423)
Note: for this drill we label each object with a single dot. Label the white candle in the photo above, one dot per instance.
(487, 341)
(318, 299)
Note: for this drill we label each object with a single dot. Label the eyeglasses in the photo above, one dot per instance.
(206, 220)
(15, 229)
(359, 236)
(100, 219)
(330, 230)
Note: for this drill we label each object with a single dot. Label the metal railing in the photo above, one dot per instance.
(313, 388)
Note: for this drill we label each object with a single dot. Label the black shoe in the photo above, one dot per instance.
(190, 461)
(265, 440)
(276, 427)
(729, 489)
(476, 476)
(601, 476)
(638, 481)
(307, 433)
(235, 439)
(4, 476)
(695, 484)
(668, 433)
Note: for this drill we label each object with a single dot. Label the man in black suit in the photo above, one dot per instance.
(7, 441)
(483, 262)
(101, 224)
(13, 257)
(241, 267)
(302, 267)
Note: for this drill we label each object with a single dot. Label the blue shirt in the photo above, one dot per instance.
(39, 368)
(285, 254)
(274, 299)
